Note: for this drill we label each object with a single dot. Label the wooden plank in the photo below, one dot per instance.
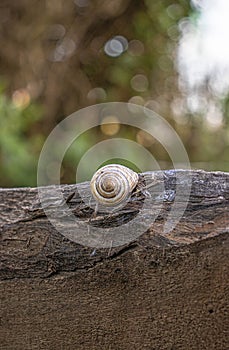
(160, 291)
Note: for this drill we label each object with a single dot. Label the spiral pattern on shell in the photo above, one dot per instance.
(112, 184)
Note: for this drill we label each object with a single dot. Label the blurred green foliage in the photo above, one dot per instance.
(58, 62)
(19, 147)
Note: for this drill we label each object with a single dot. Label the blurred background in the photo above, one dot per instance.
(57, 56)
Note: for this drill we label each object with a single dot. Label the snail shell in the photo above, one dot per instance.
(112, 184)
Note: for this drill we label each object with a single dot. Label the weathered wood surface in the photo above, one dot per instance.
(161, 291)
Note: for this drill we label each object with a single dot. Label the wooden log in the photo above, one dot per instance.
(162, 290)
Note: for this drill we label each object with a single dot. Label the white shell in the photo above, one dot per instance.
(112, 184)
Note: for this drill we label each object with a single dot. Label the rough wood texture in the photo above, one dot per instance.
(160, 291)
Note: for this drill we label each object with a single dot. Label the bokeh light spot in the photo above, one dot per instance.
(56, 32)
(144, 138)
(116, 46)
(97, 94)
(137, 100)
(110, 125)
(21, 98)
(64, 49)
(139, 82)
(136, 48)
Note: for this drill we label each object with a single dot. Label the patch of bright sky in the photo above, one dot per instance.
(203, 53)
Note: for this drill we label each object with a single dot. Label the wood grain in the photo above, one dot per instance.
(159, 291)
